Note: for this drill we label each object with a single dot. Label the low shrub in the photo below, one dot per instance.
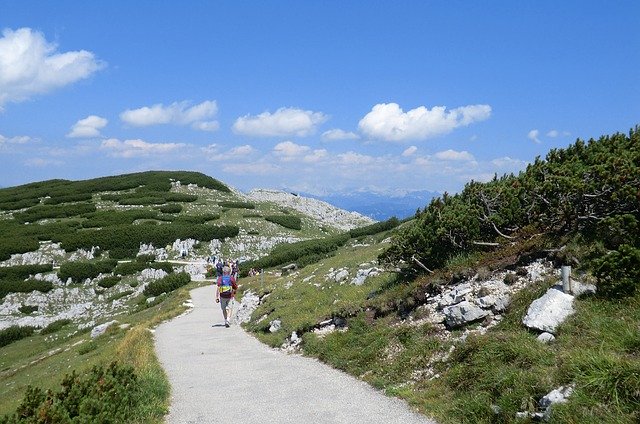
(618, 273)
(129, 268)
(167, 284)
(237, 205)
(196, 219)
(55, 326)
(68, 198)
(150, 257)
(180, 197)
(27, 309)
(171, 208)
(14, 333)
(287, 221)
(23, 271)
(81, 270)
(376, 228)
(119, 253)
(109, 282)
(24, 286)
(39, 212)
(105, 395)
(120, 295)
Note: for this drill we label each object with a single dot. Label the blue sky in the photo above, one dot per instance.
(320, 97)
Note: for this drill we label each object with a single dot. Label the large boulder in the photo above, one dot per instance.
(463, 313)
(548, 312)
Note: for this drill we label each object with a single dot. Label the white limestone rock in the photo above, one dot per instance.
(275, 325)
(99, 330)
(546, 338)
(463, 313)
(249, 303)
(549, 311)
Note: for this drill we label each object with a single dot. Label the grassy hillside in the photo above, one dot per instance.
(77, 254)
(579, 207)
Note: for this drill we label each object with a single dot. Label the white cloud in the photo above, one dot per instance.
(338, 134)
(283, 122)
(388, 122)
(316, 156)
(553, 133)
(138, 148)
(533, 136)
(409, 151)
(31, 65)
(260, 168)
(42, 163)
(88, 127)
(241, 150)
(20, 139)
(353, 158)
(289, 149)
(177, 113)
(452, 155)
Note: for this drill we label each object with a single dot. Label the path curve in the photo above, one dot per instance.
(202, 358)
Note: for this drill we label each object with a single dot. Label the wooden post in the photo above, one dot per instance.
(566, 279)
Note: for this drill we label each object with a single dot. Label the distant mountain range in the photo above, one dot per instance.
(380, 206)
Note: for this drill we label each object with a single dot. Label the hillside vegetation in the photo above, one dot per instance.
(373, 310)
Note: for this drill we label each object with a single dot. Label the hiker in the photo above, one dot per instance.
(226, 291)
(219, 267)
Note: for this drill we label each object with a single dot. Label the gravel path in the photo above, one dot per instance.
(223, 375)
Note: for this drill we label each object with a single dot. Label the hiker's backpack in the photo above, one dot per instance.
(225, 285)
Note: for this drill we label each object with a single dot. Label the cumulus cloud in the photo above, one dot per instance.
(42, 162)
(553, 133)
(534, 136)
(338, 134)
(177, 113)
(387, 121)
(283, 122)
(508, 163)
(409, 151)
(452, 155)
(30, 65)
(289, 149)
(88, 127)
(259, 168)
(20, 139)
(138, 148)
(316, 156)
(353, 158)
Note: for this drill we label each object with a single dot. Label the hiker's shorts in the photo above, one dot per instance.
(225, 302)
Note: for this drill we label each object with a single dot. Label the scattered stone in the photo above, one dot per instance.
(580, 289)
(249, 303)
(275, 326)
(150, 299)
(546, 337)
(341, 275)
(559, 395)
(101, 329)
(549, 311)
(463, 313)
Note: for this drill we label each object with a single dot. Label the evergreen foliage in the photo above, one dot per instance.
(287, 221)
(81, 270)
(103, 395)
(167, 284)
(171, 208)
(55, 326)
(23, 271)
(375, 228)
(39, 212)
(23, 286)
(237, 205)
(14, 333)
(587, 187)
(108, 282)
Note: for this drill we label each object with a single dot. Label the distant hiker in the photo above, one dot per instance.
(219, 267)
(226, 291)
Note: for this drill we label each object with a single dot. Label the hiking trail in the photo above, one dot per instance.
(223, 375)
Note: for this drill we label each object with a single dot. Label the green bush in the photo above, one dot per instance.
(20, 244)
(39, 212)
(107, 218)
(142, 201)
(103, 395)
(14, 333)
(109, 282)
(130, 236)
(167, 284)
(287, 221)
(171, 208)
(376, 228)
(81, 270)
(118, 253)
(196, 219)
(237, 205)
(146, 258)
(180, 197)
(68, 198)
(24, 286)
(129, 268)
(307, 251)
(618, 273)
(23, 271)
(55, 326)
(27, 309)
